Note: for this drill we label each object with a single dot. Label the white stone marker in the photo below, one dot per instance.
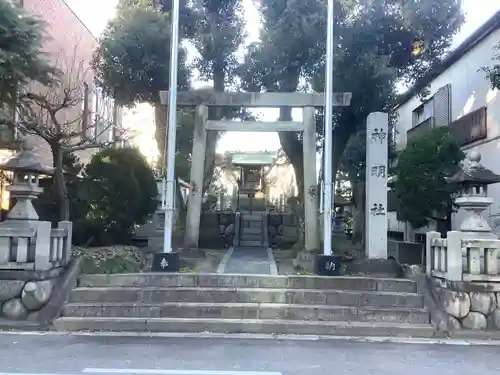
(376, 185)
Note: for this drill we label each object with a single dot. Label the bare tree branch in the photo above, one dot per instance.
(71, 115)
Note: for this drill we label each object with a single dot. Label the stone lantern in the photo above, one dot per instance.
(473, 180)
(24, 187)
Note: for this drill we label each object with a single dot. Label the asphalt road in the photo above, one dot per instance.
(101, 355)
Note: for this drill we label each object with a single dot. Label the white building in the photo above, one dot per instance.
(461, 98)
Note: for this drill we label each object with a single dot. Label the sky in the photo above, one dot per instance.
(96, 13)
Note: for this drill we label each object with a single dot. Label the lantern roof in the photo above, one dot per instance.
(26, 160)
(475, 172)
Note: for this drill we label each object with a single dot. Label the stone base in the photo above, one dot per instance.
(328, 265)
(165, 262)
(305, 261)
(375, 267)
(479, 235)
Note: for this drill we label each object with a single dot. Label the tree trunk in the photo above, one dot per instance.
(340, 139)
(208, 170)
(215, 113)
(60, 183)
(293, 149)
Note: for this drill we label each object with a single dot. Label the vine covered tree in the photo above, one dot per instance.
(421, 172)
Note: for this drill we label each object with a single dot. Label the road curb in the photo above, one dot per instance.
(244, 336)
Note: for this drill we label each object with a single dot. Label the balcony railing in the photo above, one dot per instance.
(471, 127)
(420, 129)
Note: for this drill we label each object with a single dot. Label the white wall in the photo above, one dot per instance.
(470, 90)
(393, 225)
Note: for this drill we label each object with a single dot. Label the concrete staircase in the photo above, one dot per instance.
(252, 229)
(251, 204)
(308, 305)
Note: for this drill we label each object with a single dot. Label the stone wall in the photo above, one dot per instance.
(216, 230)
(22, 300)
(469, 306)
(36, 296)
(282, 228)
(24, 293)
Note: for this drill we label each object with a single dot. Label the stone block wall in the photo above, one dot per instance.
(22, 300)
(24, 293)
(216, 230)
(469, 309)
(282, 229)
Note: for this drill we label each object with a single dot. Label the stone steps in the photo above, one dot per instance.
(250, 243)
(251, 236)
(248, 281)
(248, 311)
(252, 326)
(251, 217)
(261, 295)
(261, 304)
(251, 230)
(245, 225)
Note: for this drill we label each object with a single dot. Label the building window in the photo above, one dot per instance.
(437, 107)
(423, 112)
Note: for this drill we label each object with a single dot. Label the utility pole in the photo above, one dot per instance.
(169, 151)
(328, 144)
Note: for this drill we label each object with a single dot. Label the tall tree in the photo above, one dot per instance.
(140, 37)
(377, 43)
(219, 32)
(132, 61)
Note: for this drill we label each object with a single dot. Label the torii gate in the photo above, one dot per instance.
(202, 100)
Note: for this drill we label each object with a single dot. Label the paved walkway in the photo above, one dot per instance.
(248, 260)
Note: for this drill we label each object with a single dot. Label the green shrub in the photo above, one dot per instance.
(121, 193)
